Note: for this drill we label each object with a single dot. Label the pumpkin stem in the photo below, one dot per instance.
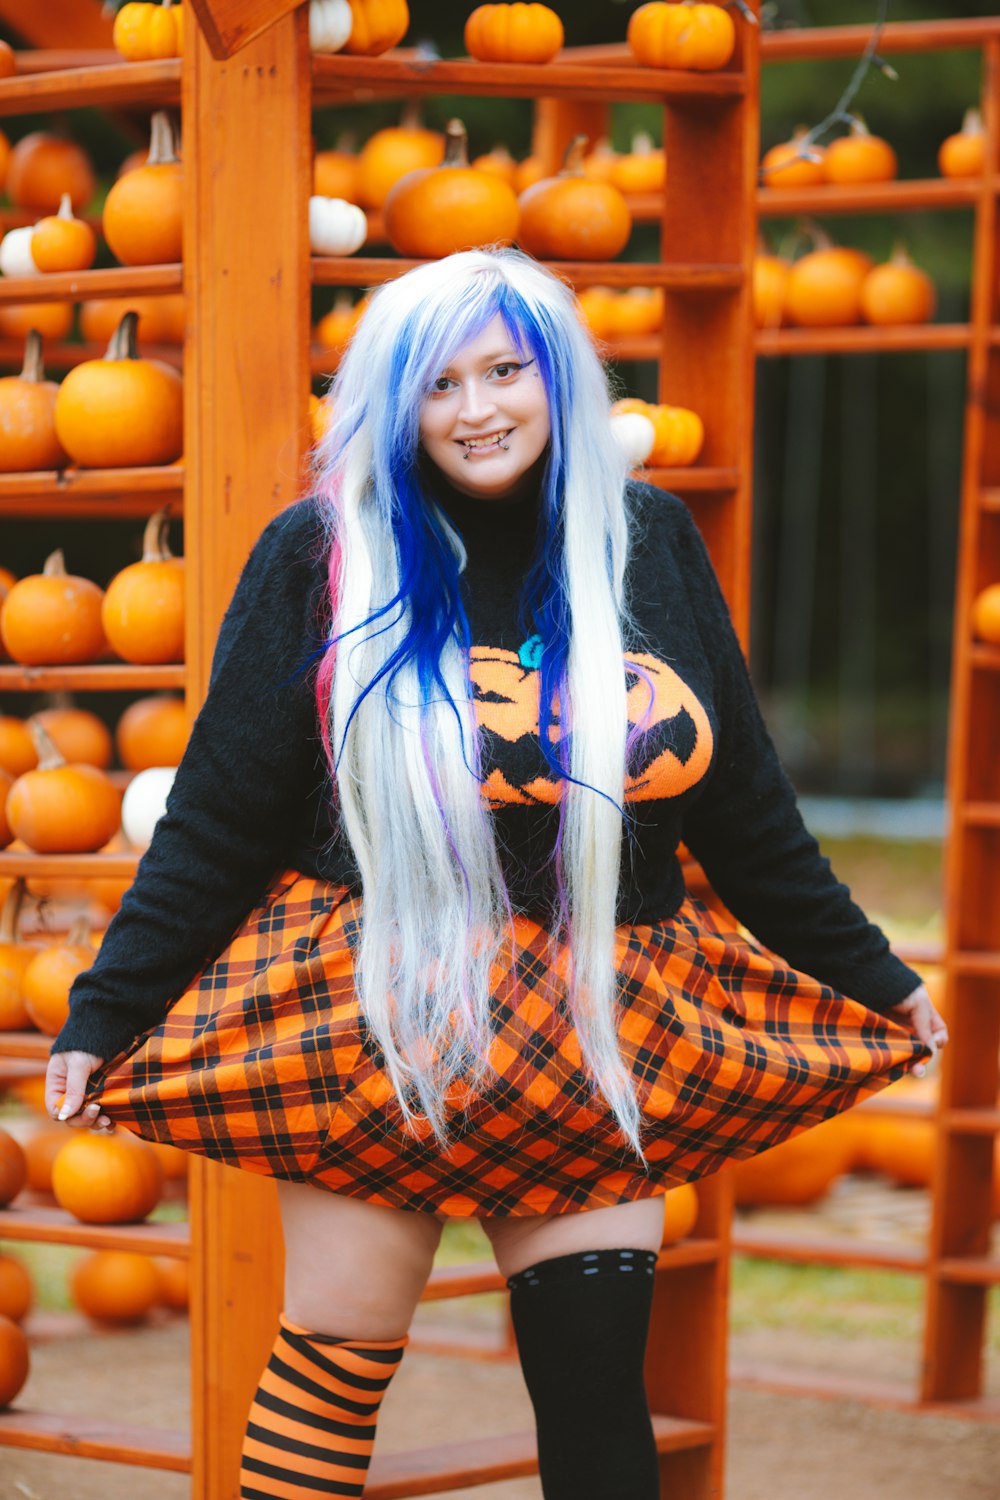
(154, 538)
(65, 207)
(573, 160)
(33, 368)
(900, 255)
(124, 341)
(11, 911)
(347, 141)
(456, 149)
(79, 933)
(162, 147)
(815, 234)
(49, 757)
(411, 118)
(642, 144)
(972, 122)
(858, 126)
(54, 565)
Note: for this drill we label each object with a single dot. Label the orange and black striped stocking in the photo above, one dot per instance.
(312, 1423)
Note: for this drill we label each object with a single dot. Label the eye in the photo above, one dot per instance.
(508, 368)
(440, 385)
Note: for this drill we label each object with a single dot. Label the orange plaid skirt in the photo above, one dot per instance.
(265, 1063)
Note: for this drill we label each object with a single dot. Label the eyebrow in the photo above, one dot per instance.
(505, 356)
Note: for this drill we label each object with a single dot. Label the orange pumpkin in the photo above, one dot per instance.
(6, 832)
(824, 287)
(41, 1148)
(498, 161)
(574, 217)
(795, 163)
(681, 35)
(320, 417)
(142, 214)
(53, 320)
(8, 61)
(152, 731)
(897, 292)
(4, 157)
(986, 614)
(77, 734)
(437, 210)
(161, 319)
(600, 162)
(143, 609)
(860, 157)
(900, 1149)
(638, 311)
(14, 1360)
(527, 172)
(641, 170)
(335, 328)
(513, 33)
(27, 416)
(172, 1159)
(393, 152)
(53, 618)
(61, 808)
(799, 1170)
(13, 1168)
(597, 306)
(175, 1282)
(43, 167)
(964, 154)
(680, 1211)
(115, 1286)
(121, 410)
(107, 890)
(17, 1290)
(680, 434)
(62, 242)
(30, 1092)
(107, 1179)
(17, 748)
(376, 25)
(48, 977)
(337, 173)
(143, 31)
(770, 289)
(15, 956)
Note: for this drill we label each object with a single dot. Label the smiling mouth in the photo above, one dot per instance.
(492, 440)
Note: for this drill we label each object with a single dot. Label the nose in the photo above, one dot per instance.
(476, 402)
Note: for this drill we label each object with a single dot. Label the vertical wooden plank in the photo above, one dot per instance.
(58, 23)
(557, 121)
(956, 1315)
(247, 170)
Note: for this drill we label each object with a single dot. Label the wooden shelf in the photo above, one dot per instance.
(981, 814)
(985, 657)
(967, 1120)
(813, 1250)
(863, 339)
(799, 45)
(64, 494)
(514, 1455)
(371, 270)
(54, 1226)
(31, 91)
(873, 197)
(65, 356)
(969, 1271)
(104, 677)
(985, 965)
(25, 1044)
(482, 1276)
(67, 867)
(341, 79)
(989, 500)
(75, 286)
(95, 1437)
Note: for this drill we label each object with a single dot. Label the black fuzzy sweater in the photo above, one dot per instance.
(252, 796)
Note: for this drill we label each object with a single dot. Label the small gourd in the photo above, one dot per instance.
(572, 216)
(335, 329)
(964, 153)
(770, 289)
(684, 35)
(107, 1179)
(330, 23)
(60, 808)
(143, 32)
(337, 172)
(638, 311)
(641, 170)
(119, 1287)
(143, 608)
(392, 152)
(142, 217)
(121, 410)
(144, 803)
(498, 161)
(986, 615)
(680, 434)
(76, 733)
(42, 167)
(52, 319)
(15, 956)
(794, 164)
(336, 227)
(28, 437)
(61, 242)
(635, 434)
(152, 731)
(8, 61)
(16, 258)
(15, 1360)
(437, 210)
(49, 975)
(824, 286)
(376, 25)
(513, 33)
(53, 618)
(859, 157)
(897, 292)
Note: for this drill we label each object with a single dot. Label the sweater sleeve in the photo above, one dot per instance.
(252, 755)
(746, 831)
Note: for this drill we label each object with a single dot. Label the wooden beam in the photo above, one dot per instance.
(229, 25)
(58, 23)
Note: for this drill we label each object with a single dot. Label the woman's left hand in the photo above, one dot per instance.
(919, 1014)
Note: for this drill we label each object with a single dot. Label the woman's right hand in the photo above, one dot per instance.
(65, 1085)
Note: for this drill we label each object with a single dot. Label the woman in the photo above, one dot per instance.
(415, 906)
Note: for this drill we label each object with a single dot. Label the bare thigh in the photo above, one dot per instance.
(353, 1269)
(519, 1243)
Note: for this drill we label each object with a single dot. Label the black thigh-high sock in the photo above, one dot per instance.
(581, 1323)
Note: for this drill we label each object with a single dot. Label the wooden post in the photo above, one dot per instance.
(246, 260)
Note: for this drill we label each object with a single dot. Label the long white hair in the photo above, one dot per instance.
(397, 697)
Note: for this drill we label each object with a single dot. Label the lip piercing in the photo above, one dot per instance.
(468, 452)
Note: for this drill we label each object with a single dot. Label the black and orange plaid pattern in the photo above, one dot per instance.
(265, 1063)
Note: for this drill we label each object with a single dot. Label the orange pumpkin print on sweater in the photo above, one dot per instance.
(672, 752)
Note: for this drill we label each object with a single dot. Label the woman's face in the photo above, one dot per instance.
(485, 422)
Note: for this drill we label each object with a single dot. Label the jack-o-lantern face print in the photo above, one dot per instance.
(671, 735)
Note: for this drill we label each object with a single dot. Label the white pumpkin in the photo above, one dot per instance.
(16, 258)
(144, 803)
(329, 24)
(635, 435)
(336, 227)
